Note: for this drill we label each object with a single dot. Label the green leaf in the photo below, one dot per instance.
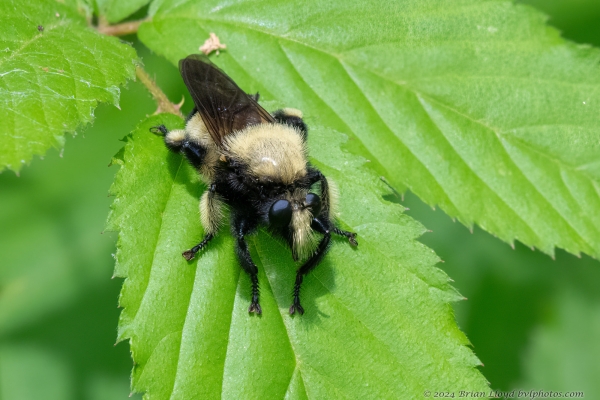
(476, 106)
(378, 321)
(51, 80)
(117, 10)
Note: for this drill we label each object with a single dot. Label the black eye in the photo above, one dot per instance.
(314, 203)
(280, 213)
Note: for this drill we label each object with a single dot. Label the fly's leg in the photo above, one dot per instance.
(350, 235)
(191, 253)
(241, 228)
(309, 265)
(210, 215)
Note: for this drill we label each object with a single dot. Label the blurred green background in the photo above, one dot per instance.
(533, 321)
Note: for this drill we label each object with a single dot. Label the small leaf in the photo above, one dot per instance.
(53, 72)
(481, 108)
(377, 323)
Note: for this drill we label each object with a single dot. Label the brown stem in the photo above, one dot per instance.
(164, 104)
(126, 28)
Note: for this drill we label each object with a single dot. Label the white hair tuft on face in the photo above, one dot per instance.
(305, 239)
(334, 195)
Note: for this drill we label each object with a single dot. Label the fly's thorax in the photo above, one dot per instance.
(271, 152)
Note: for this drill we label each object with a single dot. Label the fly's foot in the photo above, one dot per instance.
(350, 235)
(296, 307)
(352, 239)
(255, 307)
(189, 254)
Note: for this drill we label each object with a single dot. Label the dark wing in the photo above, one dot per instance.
(223, 106)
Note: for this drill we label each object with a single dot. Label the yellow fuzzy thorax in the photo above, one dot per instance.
(272, 151)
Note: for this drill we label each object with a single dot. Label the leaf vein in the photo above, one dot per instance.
(517, 166)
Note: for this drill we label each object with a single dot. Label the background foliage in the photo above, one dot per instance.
(533, 321)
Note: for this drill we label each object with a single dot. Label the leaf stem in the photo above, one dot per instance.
(163, 102)
(125, 28)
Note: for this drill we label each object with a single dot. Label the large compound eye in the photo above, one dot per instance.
(314, 203)
(280, 213)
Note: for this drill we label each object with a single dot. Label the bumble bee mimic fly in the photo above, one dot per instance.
(254, 163)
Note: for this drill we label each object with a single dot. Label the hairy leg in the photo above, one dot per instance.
(325, 216)
(210, 216)
(191, 253)
(350, 235)
(309, 265)
(241, 228)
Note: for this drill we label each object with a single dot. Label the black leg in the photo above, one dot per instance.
(241, 228)
(316, 176)
(191, 253)
(350, 235)
(307, 267)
